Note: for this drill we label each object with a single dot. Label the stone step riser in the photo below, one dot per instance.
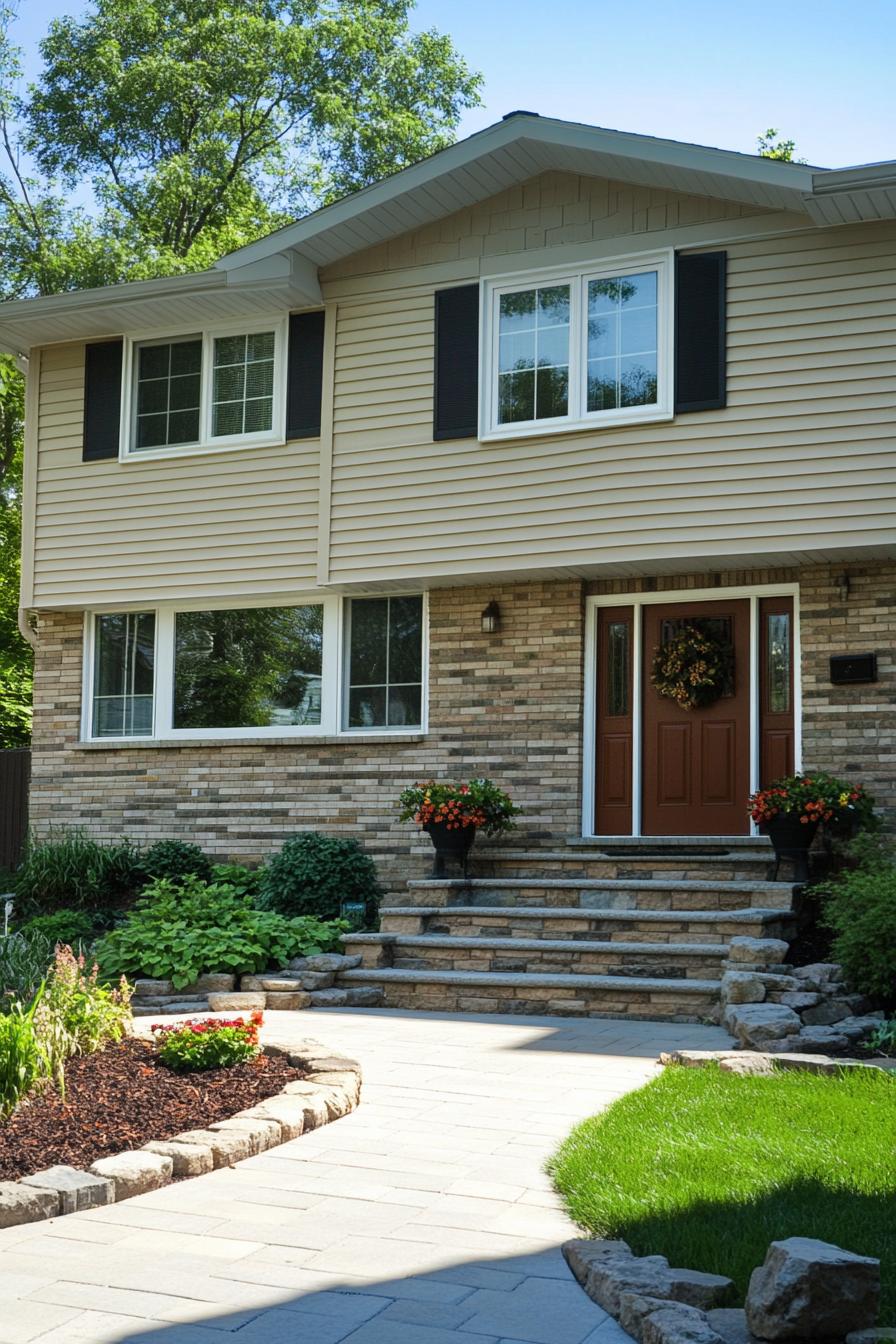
(647, 869)
(590, 926)
(564, 894)
(633, 1003)
(653, 965)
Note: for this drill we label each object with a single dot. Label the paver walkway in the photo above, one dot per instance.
(422, 1218)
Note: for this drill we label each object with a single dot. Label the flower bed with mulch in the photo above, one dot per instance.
(122, 1097)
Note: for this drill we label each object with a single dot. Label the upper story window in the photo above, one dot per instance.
(574, 350)
(218, 388)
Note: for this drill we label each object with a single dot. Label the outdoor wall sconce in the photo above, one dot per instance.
(491, 619)
(842, 584)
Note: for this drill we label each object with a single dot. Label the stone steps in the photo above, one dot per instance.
(560, 993)
(667, 961)
(573, 922)
(731, 866)
(602, 893)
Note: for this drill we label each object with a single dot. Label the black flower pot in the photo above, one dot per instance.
(450, 844)
(791, 839)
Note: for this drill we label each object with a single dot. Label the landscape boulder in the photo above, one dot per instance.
(742, 987)
(813, 1291)
(235, 1002)
(757, 951)
(756, 1024)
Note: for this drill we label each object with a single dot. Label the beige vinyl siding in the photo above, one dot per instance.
(802, 461)
(240, 523)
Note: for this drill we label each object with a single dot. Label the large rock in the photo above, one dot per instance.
(325, 961)
(827, 1013)
(731, 1324)
(76, 1189)
(678, 1324)
(581, 1255)
(25, 1203)
(329, 998)
(146, 989)
(235, 1002)
(366, 996)
(811, 1290)
(747, 1065)
(612, 1272)
(819, 976)
(757, 951)
(798, 1000)
(742, 987)
(755, 1024)
(815, 1040)
(213, 982)
(134, 1173)
(289, 1001)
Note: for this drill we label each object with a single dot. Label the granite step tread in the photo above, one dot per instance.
(746, 915)
(424, 940)
(707, 844)
(534, 979)
(580, 855)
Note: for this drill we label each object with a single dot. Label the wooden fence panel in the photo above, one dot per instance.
(15, 774)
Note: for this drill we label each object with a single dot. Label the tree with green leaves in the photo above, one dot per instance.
(195, 129)
(770, 147)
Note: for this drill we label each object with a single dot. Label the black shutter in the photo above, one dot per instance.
(700, 331)
(456, 407)
(102, 400)
(304, 375)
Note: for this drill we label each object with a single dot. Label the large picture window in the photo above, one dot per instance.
(255, 668)
(582, 349)
(256, 671)
(207, 390)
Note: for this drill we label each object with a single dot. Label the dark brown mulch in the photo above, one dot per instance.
(121, 1098)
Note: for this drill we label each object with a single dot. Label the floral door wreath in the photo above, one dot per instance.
(693, 668)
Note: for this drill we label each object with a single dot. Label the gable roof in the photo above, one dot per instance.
(283, 267)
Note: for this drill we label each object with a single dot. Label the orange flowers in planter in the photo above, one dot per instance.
(478, 803)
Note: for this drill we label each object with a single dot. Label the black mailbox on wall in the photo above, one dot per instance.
(851, 669)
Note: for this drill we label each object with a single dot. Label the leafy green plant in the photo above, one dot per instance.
(71, 928)
(180, 930)
(24, 961)
(175, 859)
(69, 870)
(860, 909)
(313, 874)
(882, 1040)
(213, 1043)
(244, 881)
(22, 1063)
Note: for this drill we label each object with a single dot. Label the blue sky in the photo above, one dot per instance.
(714, 72)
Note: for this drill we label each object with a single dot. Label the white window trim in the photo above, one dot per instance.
(577, 277)
(207, 443)
(333, 675)
(423, 726)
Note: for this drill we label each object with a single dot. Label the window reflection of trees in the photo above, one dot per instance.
(256, 667)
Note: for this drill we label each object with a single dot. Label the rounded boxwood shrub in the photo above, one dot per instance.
(313, 874)
(175, 859)
(860, 909)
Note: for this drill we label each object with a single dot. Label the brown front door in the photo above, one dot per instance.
(696, 762)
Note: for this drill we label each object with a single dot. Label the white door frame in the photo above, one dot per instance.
(669, 597)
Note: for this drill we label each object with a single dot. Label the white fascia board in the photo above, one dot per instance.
(790, 178)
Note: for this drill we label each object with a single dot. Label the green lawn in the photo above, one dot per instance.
(707, 1168)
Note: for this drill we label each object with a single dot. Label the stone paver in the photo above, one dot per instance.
(424, 1217)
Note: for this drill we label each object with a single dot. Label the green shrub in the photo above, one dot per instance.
(22, 1063)
(180, 930)
(209, 1044)
(71, 871)
(71, 928)
(244, 881)
(860, 909)
(24, 961)
(175, 859)
(313, 874)
(882, 1040)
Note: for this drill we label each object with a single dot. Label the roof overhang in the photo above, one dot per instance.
(282, 269)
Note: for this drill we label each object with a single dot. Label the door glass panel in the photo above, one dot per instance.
(618, 668)
(777, 646)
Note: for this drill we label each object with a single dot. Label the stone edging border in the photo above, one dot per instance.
(331, 1090)
(762, 1063)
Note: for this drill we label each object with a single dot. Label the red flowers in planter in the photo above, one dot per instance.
(478, 803)
(207, 1043)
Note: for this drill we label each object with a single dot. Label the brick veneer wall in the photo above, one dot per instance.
(508, 706)
(851, 730)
